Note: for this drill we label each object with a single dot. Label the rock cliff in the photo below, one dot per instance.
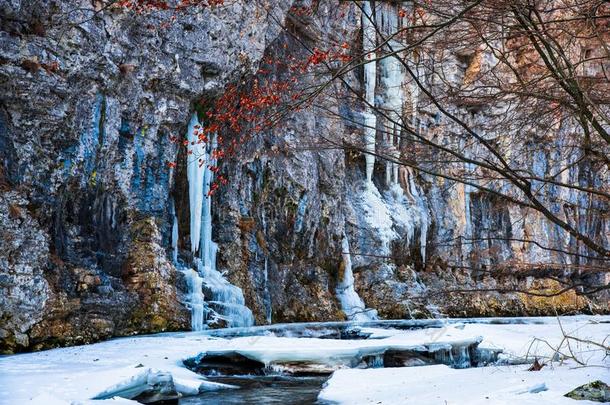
(89, 102)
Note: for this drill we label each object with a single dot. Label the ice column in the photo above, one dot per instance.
(196, 169)
(174, 234)
(369, 36)
(266, 293)
(392, 77)
(208, 248)
(351, 303)
(424, 216)
(267, 296)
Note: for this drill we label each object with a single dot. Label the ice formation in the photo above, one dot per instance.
(370, 78)
(377, 215)
(224, 301)
(392, 77)
(424, 217)
(267, 296)
(398, 210)
(351, 303)
(195, 300)
(195, 169)
(174, 234)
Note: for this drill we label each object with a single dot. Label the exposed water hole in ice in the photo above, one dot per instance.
(262, 390)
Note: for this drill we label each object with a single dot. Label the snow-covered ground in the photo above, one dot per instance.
(79, 374)
(444, 385)
(440, 384)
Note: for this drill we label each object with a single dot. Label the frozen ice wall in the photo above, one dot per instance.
(399, 210)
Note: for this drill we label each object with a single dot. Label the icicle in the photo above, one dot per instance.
(208, 247)
(267, 293)
(267, 296)
(424, 223)
(369, 39)
(351, 303)
(394, 173)
(470, 169)
(388, 173)
(392, 78)
(370, 121)
(174, 235)
(196, 168)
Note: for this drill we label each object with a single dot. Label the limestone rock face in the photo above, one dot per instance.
(148, 274)
(89, 103)
(24, 257)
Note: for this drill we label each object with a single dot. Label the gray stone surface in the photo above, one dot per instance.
(88, 103)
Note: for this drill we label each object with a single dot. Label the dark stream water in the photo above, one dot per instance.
(262, 390)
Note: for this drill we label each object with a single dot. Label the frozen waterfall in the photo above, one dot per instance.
(392, 99)
(224, 303)
(351, 303)
(195, 297)
(369, 36)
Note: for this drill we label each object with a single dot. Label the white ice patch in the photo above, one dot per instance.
(377, 215)
(351, 303)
